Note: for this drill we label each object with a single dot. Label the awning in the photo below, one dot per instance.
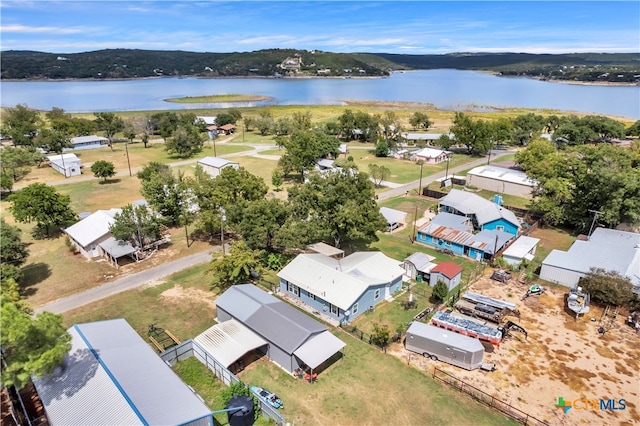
(229, 341)
(319, 349)
(116, 248)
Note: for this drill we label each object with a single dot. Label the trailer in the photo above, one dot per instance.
(443, 345)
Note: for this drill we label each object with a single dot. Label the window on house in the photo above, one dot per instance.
(291, 288)
(312, 296)
(376, 294)
(500, 228)
(354, 310)
(334, 310)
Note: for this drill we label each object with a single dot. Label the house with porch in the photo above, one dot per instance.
(226, 129)
(455, 234)
(88, 142)
(87, 234)
(431, 155)
(484, 214)
(289, 337)
(342, 288)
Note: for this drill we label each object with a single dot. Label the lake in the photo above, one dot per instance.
(444, 89)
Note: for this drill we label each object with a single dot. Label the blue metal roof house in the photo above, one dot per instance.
(293, 338)
(112, 377)
(484, 214)
(342, 288)
(448, 231)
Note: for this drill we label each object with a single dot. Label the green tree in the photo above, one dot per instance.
(277, 179)
(391, 128)
(304, 148)
(185, 142)
(382, 149)
(379, 173)
(15, 162)
(53, 140)
(338, 207)
(110, 124)
(12, 250)
(166, 193)
(475, 135)
(42, 204)
(31, 345)
(152, 168)
(381, 336)
(527, 126)
(634, 129)
(103, 169)
(608, 287)
(258, 222)
(225, 118)
(440, 291)
(302, 120)
(137, 225)
(21, 123)
(420, 120)
(236, 268)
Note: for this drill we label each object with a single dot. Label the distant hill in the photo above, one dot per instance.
(129, 64)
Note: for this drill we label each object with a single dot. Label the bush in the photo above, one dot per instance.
(382, 150)
(440, 291)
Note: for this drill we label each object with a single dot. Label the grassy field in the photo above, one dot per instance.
(217, 98)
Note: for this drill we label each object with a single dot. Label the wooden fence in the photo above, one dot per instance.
(486, 399)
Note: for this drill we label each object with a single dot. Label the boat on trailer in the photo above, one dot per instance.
(578, 301)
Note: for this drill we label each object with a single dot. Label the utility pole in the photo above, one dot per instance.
(222, 219)
(420, 185)
(415, 219)
(593, 222)
(126, 148)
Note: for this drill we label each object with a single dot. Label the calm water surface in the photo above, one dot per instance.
(445, 89)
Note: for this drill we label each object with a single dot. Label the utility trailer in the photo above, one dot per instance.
(447, 346)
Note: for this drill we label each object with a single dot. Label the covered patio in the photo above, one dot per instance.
(116, 249)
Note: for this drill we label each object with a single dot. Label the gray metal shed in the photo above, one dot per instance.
(111, 376)
(294, 338)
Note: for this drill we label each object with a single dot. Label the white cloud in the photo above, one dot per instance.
(24, 29)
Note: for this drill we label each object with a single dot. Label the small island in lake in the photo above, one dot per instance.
(217, 98)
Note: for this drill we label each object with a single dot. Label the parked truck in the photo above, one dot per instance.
(443, 345)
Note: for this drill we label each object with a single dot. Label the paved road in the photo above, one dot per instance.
(411, 186)
(125, 283)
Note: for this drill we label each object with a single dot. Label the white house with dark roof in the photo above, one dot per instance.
(342, 288)
(111, 376)
(484, 214)
(214, 165)
(501, 180)
(609, 249)
(293, 339)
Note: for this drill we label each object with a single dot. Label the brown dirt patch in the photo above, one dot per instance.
(562, 356)
(189, 294)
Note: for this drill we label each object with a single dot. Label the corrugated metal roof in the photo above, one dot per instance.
(502, 174)
(93, 227)
(455, 221)
(484, 210)
(393, 216)
(325, 249)
(341, 281)
(111, 376)
(521, 247)
(422, 261)
(216, 162)
(607, 248)
(430, 153)
(319, 348)
(229, 341)
(67, 159)
(274, 320)
(91, 138)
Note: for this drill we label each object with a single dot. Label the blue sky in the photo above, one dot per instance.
(411, 27)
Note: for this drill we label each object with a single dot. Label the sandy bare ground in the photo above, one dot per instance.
(560, 358)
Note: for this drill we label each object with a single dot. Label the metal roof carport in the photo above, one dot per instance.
(319, 349)
(229, 341)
